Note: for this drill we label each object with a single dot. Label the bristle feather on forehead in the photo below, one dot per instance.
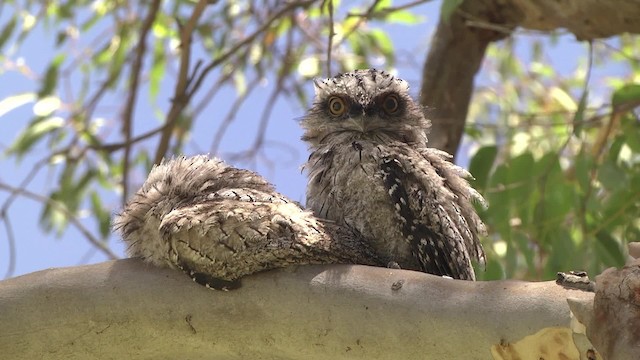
(362, 85)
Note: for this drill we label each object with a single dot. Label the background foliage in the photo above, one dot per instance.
(556, 154)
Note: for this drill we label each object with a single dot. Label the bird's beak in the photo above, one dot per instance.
(358, 123)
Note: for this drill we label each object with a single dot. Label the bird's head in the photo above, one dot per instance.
(364, 104)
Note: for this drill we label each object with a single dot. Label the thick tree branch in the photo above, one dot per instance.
(460, 42)
(127, 309)
(586, 19)
(454, 58)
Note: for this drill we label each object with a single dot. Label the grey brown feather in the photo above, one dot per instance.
(371, 170)
(218, 223)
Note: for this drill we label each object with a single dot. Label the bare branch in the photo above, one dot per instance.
(332, 34)
(134, 80)
(180, 95)
(249, 39)
(70, 217)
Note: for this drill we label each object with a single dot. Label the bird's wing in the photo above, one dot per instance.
(429, 214)
(228, 234)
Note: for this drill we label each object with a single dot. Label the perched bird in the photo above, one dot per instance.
(218, 223)
(370, 169)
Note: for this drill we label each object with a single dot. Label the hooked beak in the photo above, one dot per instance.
(358, 123)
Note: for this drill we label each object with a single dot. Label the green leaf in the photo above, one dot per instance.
(382, 41)
(119, 54)
(447, 9)
(519, 180)
(494, 271)
(103, 216)
(631, 131)
(562, 256)
(498, 213)
(525, 249)
(632, 233)
(608, 249)
(61, 37)
(381, 5)
(50, 80)
(52, 217)
(612, 176)
(157, 69)
(625, 94)
(620, 208)
(7, 30)
(403, 17)
(578, 117)
(34, 133)
(481, 165)
(583, 164)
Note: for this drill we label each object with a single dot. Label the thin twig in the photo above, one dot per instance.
(117, 146)
(389, 10)
(246, 41)
(212, 92)
(365, 16)
(332, 33)
(134, 81)
(231, 115)
(11, 243)
(63, 209)
(180, 95)
(262, 127)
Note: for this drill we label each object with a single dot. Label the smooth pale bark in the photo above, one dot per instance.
(127, 309)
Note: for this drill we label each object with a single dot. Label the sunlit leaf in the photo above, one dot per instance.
(382, 41)
(309, 67)
(46, 106)
(565, 100)
(12, 102)
(33, 133)
(403, 17)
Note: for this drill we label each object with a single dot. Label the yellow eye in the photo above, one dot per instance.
(337, 106)
(391, 104)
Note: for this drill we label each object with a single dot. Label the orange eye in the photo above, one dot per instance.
(337, 106)
(391, 104)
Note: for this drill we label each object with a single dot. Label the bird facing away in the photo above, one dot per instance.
(370, 170)
(218, 223)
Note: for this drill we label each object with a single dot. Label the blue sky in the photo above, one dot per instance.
(36, 250)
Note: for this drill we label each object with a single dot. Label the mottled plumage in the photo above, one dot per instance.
(219, 223)
(370, 169)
